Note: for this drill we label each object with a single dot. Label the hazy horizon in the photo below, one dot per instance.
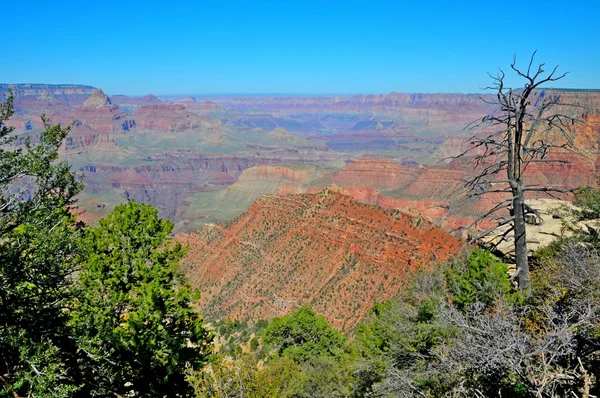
(283, 94)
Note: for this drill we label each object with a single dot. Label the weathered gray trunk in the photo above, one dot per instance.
(520, 238)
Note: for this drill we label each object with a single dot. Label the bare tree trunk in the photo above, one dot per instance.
(515, 178)
(520, 239)
(518, 192)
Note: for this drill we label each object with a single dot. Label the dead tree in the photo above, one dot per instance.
(529, 123)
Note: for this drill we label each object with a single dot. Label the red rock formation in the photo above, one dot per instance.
(171, 118)
(439, 192)
(271, 172)
(381, 174)
(391, 185)
(97, 100)
(326, 250)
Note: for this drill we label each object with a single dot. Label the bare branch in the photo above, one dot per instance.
(492, 229)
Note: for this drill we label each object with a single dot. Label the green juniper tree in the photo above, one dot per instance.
(303, 335)
(137, 330)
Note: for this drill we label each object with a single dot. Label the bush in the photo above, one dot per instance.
(588, 200)
(481, 278)
(253, 343)
(302, 335)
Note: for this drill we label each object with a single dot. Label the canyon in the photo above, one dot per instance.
(393, 150)
(286, 201)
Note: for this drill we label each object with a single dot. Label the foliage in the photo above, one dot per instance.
(135, 321)
(303, 335)
(547, 348)
(244, 377)
(233, 338)
(399, 335)
(228, 327)
(481, 278)
(492, 344)
(39, 248)
(309, 359)
(588, 200)
(326, 376)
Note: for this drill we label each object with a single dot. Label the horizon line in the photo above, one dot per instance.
(290, 94)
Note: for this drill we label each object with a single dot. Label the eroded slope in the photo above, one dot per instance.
(325, 249)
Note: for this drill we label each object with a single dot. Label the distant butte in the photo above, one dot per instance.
(97, 100)
(125, 100)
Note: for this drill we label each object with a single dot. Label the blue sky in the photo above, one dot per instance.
(303, 47)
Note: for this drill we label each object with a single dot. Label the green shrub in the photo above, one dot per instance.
(253, 343)
(588, 200)
(482, 277)
(302, 335)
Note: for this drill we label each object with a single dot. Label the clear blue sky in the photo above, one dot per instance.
(202, 47)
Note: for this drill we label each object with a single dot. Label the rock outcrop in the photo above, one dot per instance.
(379, 173)
(325, 249)
(97, 100)
(429, 190)
(554, 219)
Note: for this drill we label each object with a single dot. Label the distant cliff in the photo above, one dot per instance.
(394, 100)
(26, 95)
(380, 101)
